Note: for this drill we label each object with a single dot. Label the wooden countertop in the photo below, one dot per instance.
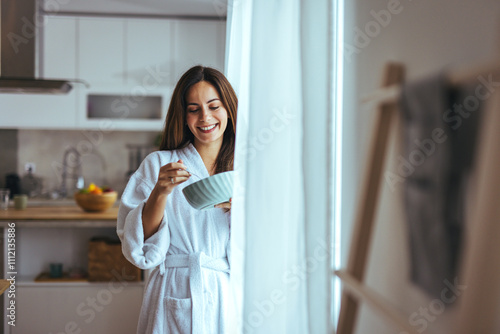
(4, 284)
(57, 213)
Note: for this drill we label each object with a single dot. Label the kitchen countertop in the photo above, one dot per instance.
(34, 201)
(57, 213)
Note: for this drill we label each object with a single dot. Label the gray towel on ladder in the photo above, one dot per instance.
(438, 153)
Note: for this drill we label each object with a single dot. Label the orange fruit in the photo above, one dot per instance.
(96, 191)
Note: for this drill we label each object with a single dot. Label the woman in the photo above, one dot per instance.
(187, 290)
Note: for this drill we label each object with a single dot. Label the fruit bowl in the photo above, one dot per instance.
(96, 202)
(206, 193)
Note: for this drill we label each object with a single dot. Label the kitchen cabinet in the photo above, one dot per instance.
(57, 61)
(199, 43)
(58, 48)
(36, 111)
(101, 50)
(55, 307)
(149, 52)
(145, 47)
(91, 308)
(123, 57)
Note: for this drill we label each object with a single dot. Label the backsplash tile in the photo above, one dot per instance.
(105, 159)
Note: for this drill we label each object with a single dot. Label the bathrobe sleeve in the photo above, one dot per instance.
(145, 254)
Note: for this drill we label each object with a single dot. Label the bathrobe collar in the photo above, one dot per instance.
(193, 161)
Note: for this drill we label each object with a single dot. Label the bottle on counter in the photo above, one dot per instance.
(13, 183)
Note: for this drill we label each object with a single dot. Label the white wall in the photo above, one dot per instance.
(426, 36)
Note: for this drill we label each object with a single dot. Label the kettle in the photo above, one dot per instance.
(31, 185)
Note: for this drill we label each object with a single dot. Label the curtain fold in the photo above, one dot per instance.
(280, 253)
(318, 150)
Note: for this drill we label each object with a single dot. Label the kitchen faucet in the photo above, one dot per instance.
(76, 166)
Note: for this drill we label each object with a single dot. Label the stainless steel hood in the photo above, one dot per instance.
(19, 28)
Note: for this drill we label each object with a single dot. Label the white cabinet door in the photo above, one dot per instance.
(58, 48)
(37, 111)
(149, 52)
(101, 49)
(67, 307)
(111, 308)
(199, 43)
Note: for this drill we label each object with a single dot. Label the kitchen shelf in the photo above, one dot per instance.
(45, 278)
(29, 281)
(61, 224)
(68, 213)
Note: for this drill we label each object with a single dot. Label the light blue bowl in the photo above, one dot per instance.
(207, 192)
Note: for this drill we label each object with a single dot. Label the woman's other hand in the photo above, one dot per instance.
(225, 205)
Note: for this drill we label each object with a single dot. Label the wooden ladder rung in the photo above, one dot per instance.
(375, 300)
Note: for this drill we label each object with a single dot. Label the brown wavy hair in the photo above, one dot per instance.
(176, 134)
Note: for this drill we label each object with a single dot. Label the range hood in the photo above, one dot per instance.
(18, 51)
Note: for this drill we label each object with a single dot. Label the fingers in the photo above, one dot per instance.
(178, 179)
(171, 175)
(174, 166)
(176, 173)
(225, 205)
(175, 169)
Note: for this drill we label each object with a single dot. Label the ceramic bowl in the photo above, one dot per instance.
(95, 202)
(207, 192)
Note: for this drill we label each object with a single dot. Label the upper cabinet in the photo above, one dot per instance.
(57, 60)
(101, 50)
(122, 57)
(58, 48)
(38, 111)
(128, 66)
(149, 52)
(146, 52)
(199, 43)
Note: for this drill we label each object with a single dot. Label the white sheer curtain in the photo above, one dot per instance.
(279, 61)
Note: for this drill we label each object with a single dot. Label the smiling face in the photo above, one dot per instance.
(206, 116)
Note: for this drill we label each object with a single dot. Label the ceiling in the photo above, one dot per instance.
(205, 8)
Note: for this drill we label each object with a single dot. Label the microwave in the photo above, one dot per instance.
(128, 108)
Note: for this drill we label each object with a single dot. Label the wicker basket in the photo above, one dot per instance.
(107, 263)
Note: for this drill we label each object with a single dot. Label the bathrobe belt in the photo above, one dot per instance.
(194, 262)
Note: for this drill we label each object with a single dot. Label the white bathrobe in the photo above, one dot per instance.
(187, 291)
